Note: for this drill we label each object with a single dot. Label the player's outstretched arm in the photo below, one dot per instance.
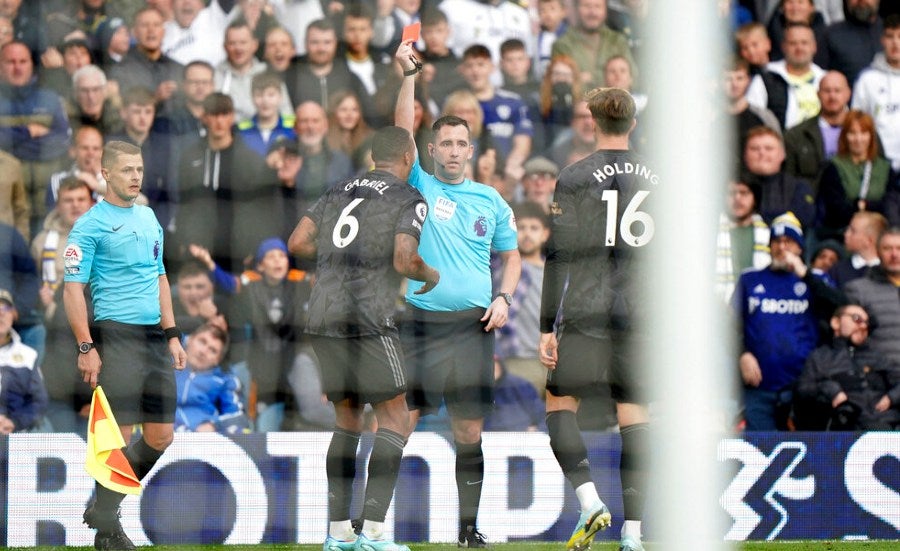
(404, 112)
(409, 264)
(303, 239)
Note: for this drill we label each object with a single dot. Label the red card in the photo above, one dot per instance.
(411, 32)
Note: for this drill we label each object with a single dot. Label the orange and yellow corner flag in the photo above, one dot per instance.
(106, 461)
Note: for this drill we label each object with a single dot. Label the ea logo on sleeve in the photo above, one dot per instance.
(72, 258)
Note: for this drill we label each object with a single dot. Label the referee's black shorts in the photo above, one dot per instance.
(367, 369)
(585, 361)
(449, 357)
(137, 373)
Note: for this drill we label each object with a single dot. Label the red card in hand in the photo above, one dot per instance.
(411, 32)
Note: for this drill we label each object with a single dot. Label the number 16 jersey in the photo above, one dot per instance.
(601, 221)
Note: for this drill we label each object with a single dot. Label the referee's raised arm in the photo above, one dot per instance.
(404, 112)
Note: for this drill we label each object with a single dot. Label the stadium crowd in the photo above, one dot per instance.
(246, 111)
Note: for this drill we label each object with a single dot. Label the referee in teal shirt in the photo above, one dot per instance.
(132, 343)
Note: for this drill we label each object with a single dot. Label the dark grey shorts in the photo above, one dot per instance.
(449, 357)
(366, 369)
(137, 374)
(585, 361)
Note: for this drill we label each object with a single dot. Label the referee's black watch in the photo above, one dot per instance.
(85, 347)
(507, 297)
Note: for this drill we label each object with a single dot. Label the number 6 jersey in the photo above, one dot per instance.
(357, 287)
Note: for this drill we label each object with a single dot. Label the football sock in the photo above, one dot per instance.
(107, 500)
(340, 467)
(373, 530)
(469, 478)
(633, 469)
(142, 457)
(568, 447)
(632, 528)
(587, 495)
(341, 530)
(384, 465)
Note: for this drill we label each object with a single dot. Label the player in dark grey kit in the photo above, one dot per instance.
(600, 225)
(364, 233)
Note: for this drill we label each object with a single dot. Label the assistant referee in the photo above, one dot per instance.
(132, 344)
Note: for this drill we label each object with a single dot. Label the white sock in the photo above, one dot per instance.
(587, 495)
(341, 530)
(632, 528)
(373, 530)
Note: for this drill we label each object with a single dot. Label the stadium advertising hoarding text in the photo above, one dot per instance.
(271, 488)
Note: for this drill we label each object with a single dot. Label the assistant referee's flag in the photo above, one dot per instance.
(106, 460)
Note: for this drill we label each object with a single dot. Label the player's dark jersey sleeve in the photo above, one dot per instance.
(563, 233)
(412, 215)
(317, 210)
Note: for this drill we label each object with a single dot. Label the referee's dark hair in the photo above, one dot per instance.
(114, 149)
(613, 110)
(449, 120)
(390, 144)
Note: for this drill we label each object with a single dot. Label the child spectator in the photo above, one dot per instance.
(209, 398)
(23, 397)
(268, 124)
(270, 309)
(439, 71)
(195, 304)
(515, 65)
(552, 21)
(506, 117)
(754, 45)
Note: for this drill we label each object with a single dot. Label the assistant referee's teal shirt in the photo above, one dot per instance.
(465, 221)
(119, 252)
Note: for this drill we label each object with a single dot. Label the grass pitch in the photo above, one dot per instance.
(820, 545)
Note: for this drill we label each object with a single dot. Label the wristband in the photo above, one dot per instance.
(172, 333)
(417, 69)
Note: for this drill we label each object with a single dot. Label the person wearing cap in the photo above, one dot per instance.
(113, 42)
(777, 309)
(283, 370)
(23, 398)
(539, 181)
